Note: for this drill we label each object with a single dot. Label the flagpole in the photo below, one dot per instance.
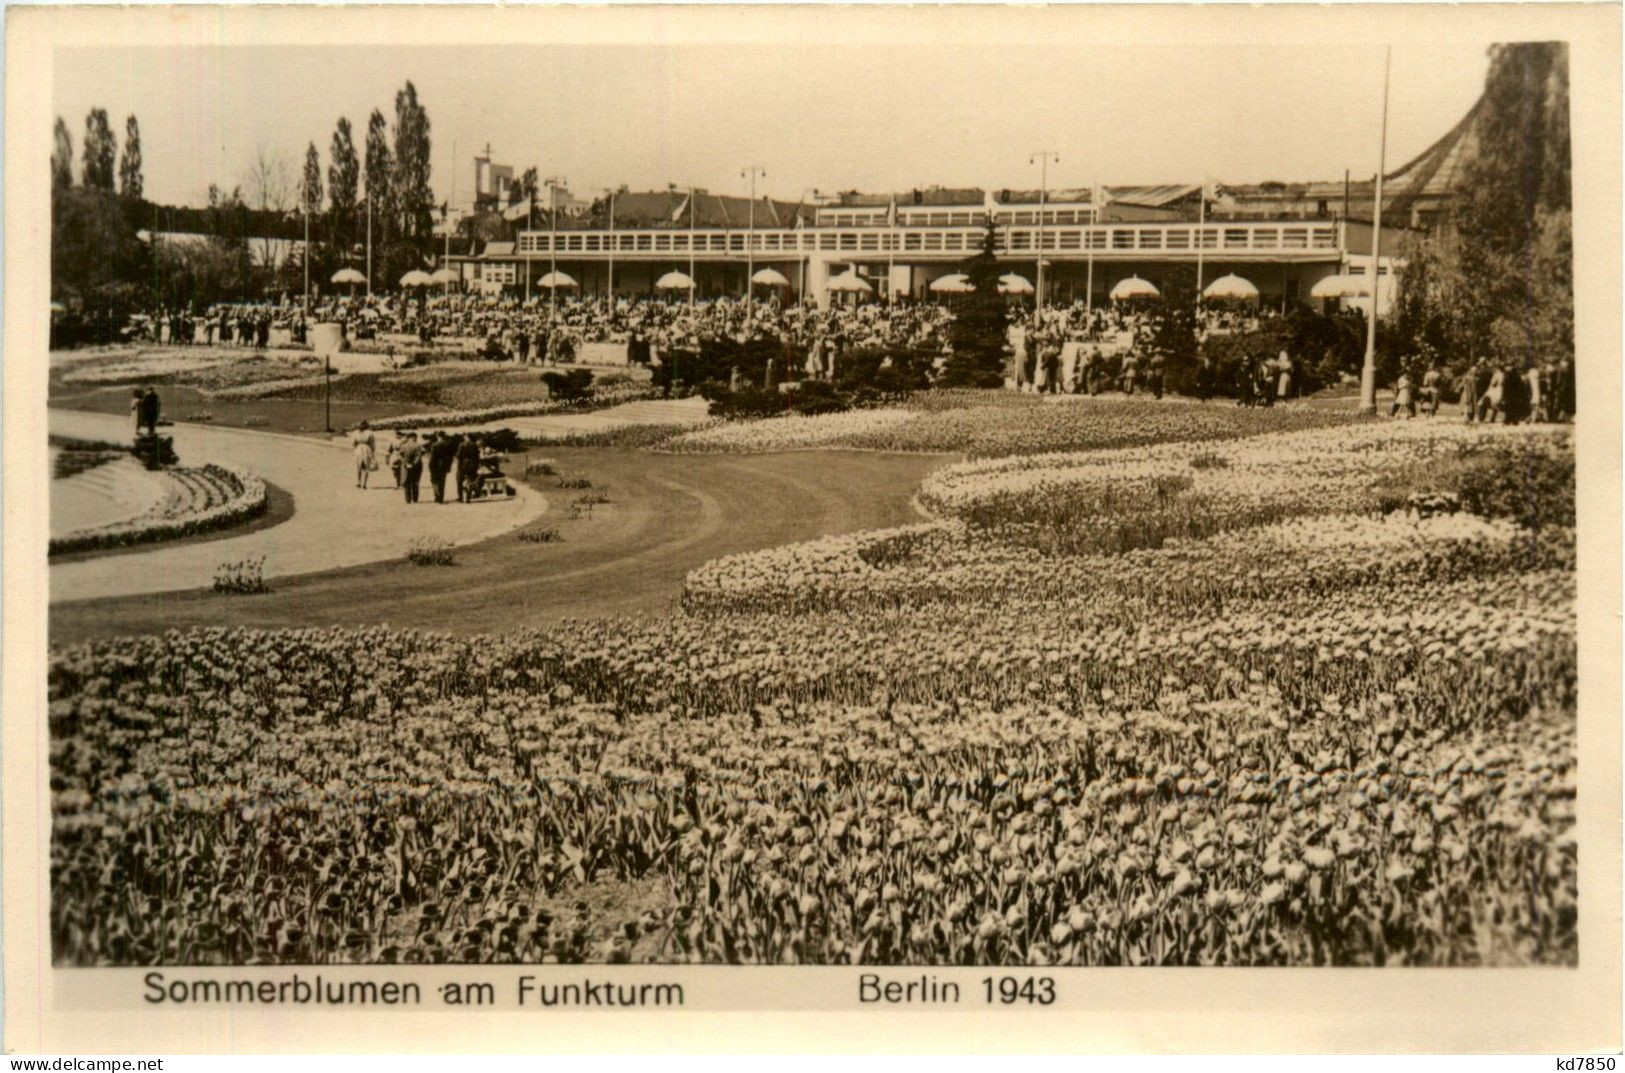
(1201, 236)
(750, 240)
(612, 249)
(1042, 158)
(1089, 286)
(1368, 372)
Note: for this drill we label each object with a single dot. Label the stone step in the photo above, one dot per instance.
(113, 492)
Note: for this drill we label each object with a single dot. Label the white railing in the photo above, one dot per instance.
(1229, 240)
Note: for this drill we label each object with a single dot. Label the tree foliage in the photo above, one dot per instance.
(414, 201)
(310, 188)
(99, 151)
(130, 182)
(1173, 325)
(97, 258)
(61, 157)
(378, 177)
(978, 332)
(1496, 279)
(343, 179)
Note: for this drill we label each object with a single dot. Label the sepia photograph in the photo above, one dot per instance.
(1052, 502)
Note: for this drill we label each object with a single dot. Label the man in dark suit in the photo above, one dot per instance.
(149, 410)
(468, 467)
(411, 465)
(442, 452)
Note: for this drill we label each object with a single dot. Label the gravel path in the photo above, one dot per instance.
(334, 524)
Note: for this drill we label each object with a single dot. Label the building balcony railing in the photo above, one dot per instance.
(1229, 240)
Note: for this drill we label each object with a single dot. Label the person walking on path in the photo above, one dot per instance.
(1131, 373)
(1430, 391)
(1468, 388)
(442, 451)
(411, 463)
(1491, 403)
(1283, 383)
(1402, 397)
(1535, 379)
(150, 409)
(135, 412)
(392, 459)
(468, 468)
(1562, 390)
(365, 447)
(1482, 375)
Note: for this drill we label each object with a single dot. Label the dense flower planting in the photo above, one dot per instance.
(612, 395)
(1340, 737)
(141, 367)
(1005, 425)
(789, 433)
(197, 500)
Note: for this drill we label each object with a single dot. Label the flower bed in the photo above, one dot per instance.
(1293, 782)
(451, 418)
(983, 424)
(1337, 739)
(793, 432)
(141, 368)
(200, 500)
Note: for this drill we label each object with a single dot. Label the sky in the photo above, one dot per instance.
(867, 117)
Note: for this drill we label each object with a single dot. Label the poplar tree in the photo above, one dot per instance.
(343, 177)
(413, 199)
(61, 157)
(130, 183)
(100, 151)
(378, 178)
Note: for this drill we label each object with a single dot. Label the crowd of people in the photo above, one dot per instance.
(477, 466)
(541, 331)
(1503, 393)
(246, 325)
(1076, 348)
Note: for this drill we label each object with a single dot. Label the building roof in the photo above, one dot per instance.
(670, 209)
(930, 197)
(1438, 169)
(853, 199)
(945, 196)
(1155, 197)
(1063, 196)
(1433, 173)
(498, 249)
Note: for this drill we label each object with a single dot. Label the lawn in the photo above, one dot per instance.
(283, 391)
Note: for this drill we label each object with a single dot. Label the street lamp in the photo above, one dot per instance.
(693, 280)
(553, 183)
(611, 288)
(750, 238)
(1042, 158)
(306, 257)
(530, 227)
(1368, 371)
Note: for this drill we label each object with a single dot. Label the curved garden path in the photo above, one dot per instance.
(667, 514)
(334, 524)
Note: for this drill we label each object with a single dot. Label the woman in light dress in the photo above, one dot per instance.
(364, 445)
